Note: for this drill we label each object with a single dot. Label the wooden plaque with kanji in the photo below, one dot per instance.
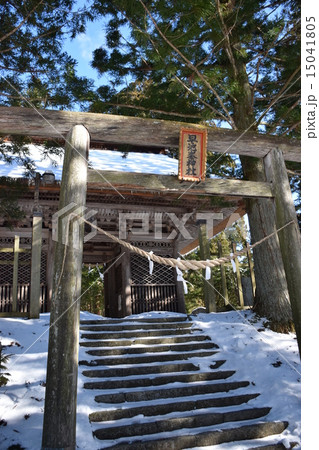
(192, 154)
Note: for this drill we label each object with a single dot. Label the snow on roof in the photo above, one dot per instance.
(100, 160)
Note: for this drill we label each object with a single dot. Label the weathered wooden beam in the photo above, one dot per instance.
(289, 237)
(36, 266)
(14, 314)
(49, 270)
(238, 278)
(106, 179)
(15, 274)
(22, 233)
(251, 270)
(59, 426)
(112, 294)
(11, 250)
(223, 275)
(126, 283)
(204, 250)
(179, 286)
(136, 131)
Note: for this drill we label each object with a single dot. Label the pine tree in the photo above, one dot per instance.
(3, 360)
(233, 63)
(35, 71)
(237, 234)
(92, 298)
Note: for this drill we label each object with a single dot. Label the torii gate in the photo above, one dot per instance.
(78, 129)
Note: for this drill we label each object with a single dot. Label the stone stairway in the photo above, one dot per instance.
(159, 384)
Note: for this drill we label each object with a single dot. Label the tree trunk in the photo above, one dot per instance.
(289, 237)
(271, 297)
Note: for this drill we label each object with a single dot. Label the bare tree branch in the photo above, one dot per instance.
(157, 111)
(294, 173)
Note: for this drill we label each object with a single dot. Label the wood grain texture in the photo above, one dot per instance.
(289, 237)
(135, 131)
(171, 185)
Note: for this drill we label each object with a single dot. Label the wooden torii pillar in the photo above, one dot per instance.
(59, 426)
(289, 237)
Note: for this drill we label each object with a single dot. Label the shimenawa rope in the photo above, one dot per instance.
(182, 264)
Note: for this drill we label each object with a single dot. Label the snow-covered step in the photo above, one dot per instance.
(147, 370)
(160, 387)
(145, 341)
(136, 326)
(202, 439)
(160, 357)
(173, 406)
(171, 424)
(134, 334)
(158, 380)
(166, 392)
(154, 320)
(154, 349)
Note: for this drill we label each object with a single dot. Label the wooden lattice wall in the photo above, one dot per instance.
(156, 292)
(24, 275)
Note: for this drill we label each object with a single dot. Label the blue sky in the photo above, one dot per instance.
(81, 48)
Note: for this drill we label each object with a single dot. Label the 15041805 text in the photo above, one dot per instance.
(310, 73)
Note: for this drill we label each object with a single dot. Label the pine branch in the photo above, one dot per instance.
(226, 33)
(191, 66)
(21, 23)
(55, 30)
(136, 27)
(24, 70)
(281, 92)
(215, 111)
(263, 56)
(295, 125)
(277, 124)
(34, 38)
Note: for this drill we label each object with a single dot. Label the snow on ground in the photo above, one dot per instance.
(269, 360)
